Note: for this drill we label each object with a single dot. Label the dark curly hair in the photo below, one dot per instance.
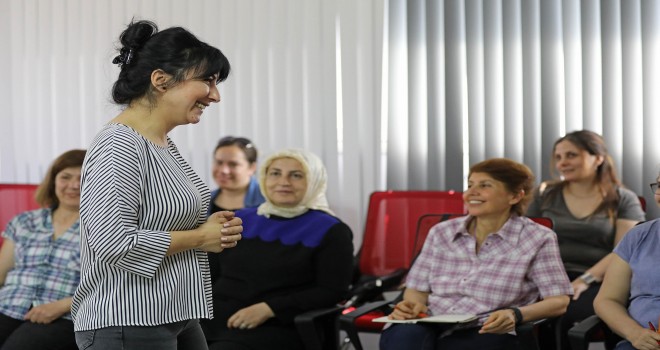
(175, 50)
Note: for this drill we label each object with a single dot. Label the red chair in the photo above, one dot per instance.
(388, 245)
(14, 199)
(359, 319)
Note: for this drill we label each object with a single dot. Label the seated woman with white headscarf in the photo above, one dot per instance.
(295, 256)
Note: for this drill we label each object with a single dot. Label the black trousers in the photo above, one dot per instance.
(554, 335)
(23, 335)
(423, 336)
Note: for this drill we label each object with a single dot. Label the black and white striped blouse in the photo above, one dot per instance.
(133, 193)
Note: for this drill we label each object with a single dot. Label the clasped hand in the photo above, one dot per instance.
(45, 313)
(250, 317)
(221, 230)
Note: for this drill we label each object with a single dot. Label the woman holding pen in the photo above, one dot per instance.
(492, 259)
(628, 299)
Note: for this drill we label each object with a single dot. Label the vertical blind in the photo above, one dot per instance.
(475, 79)
(391, 94)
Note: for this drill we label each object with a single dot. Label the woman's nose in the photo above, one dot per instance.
(214, 94)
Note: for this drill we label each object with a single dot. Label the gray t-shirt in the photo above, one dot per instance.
(584, 241)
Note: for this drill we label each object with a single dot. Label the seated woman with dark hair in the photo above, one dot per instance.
(295, 256)
(493, 263)
(40, 263)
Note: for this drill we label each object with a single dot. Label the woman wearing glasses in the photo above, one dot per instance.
(591, 211)
(627, 300)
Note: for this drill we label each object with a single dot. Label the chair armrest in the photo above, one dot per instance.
(580, 334)
(372, 289)
(527, 333)
(347, 321)
(319, 329)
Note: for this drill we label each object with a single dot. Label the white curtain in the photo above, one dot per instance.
(474, 79)
(305, 73)
(392, 94)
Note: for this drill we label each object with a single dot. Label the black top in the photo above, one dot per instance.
(294, 265)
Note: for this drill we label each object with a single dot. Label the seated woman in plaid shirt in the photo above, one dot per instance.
(40, 263)
(493, 263)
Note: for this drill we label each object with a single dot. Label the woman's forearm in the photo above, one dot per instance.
(549, 307)
(616, 316)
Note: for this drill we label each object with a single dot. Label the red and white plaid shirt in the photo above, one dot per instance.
(514, 267)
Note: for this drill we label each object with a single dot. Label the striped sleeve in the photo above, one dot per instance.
(113, 177)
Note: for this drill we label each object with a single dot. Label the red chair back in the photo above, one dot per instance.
(14, 199)
(390, 230)
(642, 202)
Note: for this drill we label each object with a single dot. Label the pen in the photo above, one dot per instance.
(653, 329)
(419, 315)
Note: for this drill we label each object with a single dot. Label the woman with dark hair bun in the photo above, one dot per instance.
(591, 211)
(145, 232)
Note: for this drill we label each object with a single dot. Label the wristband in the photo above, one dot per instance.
(516, 311)
(587, 278)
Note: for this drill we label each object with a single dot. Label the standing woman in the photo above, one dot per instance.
(39, 263)
(144, 228)
(591, 212)
(234, 165)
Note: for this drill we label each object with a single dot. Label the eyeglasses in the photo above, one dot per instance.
(654, 187)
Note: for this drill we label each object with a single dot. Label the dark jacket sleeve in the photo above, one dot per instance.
(333, 262)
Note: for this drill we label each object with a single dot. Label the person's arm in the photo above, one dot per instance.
(47, 313)
(413, 304)
(504, 321)
(334, 266)
(221, 230)
(112, 203)
(547, 272)
(6, 258)
(610, 305)
(598, 270)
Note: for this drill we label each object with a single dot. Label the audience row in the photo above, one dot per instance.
(131, 249)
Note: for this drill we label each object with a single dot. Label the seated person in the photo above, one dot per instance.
(234, 164)
(493, 263)
(591, 211)
(628, 299)
(295, 256)
(40, 263)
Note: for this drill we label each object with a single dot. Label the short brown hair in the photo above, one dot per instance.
(45, 194)
(515, 176)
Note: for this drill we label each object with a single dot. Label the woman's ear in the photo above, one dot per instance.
(160, 80)
(599, 160)
(517, 197)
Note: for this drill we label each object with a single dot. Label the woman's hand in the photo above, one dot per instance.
(499, 322)
(221, 230)
(407, 309)
(47, 313)
(250, 317)
(579, 286)
(643, 338)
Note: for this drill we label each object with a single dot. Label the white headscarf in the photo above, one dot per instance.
(317, 182)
